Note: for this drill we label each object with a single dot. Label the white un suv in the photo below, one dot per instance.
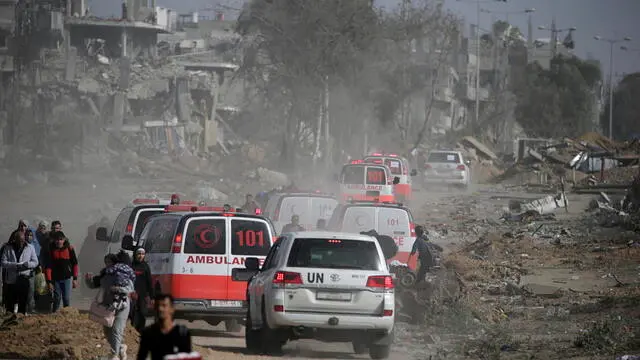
(446, 167)
(330, 286)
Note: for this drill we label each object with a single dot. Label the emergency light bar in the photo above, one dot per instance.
(357, 161)
(376, 201)
(145, 201)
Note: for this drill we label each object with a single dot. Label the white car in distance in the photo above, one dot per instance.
(445, 167)
(328, 286)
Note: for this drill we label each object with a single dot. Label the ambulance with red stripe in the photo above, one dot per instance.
(392, 219)
(365, 181)
(399, 167)
(194, 253)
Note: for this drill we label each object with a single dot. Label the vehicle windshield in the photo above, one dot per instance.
(143, 219)
(352, 175)
(443, 157)
(334, 254)
(376, 176)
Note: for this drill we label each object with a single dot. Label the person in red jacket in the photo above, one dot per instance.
(61, 270)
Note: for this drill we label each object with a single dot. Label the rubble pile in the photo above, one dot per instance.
(615, 176)
(40, 336)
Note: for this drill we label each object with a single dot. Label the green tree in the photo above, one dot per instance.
(626, 108)
(558, 101)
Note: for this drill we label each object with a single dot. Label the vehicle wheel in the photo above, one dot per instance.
(271, 344)
(251, 336)
(359, 347)
(232, 325)
(379, 351)
(408, 279)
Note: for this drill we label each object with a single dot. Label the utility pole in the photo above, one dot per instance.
(554, 36)
(611, 42)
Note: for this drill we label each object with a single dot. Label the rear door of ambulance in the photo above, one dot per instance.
(201, 269)
(250, 237)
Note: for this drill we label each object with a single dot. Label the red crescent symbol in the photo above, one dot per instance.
(203, 238)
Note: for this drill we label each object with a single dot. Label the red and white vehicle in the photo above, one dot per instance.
(392, 219)
(367, 182)
(399, 167)
(194, 253)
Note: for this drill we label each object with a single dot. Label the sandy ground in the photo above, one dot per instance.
(563, 280)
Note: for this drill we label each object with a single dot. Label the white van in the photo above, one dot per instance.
(367, 182)
(394, 220)
(310, 207)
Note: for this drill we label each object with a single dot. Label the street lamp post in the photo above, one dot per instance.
(611, 42)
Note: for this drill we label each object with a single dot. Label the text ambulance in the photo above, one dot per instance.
(369, 182)
(390, 219)
(399, 167)
(194, 254)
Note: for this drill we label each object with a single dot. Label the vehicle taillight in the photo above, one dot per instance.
(461, 167)
(129, 228)
(276, 215)
(334, 241)
(427, 166)
(177, 244)
(380, 282)
(278, 308)
(412, 228)
(387, 313)
(287, 277)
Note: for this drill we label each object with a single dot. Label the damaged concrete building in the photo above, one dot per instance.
(94, 84)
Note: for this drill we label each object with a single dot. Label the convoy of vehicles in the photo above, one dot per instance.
(334, 287)
(330, 285)
(366, 181)
(446, 167)
(399, 167)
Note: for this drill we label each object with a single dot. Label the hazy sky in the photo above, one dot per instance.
(607, 18)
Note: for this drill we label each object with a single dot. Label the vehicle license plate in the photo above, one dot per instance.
(338, 296)
(226, 303)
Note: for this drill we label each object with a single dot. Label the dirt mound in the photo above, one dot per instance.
(598, 140)
(67, 334)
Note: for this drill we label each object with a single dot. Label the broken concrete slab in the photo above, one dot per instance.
(273, 177)
(544, 291)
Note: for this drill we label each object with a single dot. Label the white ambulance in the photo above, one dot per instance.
(369, 182)
(194, 253)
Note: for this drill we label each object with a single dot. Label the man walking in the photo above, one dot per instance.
(424, 253)
(143, 290)
(250, 205)
(19, 260)
(61, 270)
(164, 337)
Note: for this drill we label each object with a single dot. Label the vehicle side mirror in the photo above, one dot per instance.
(101, 234)
(396, 180)
(252, 264)
(414, 172)
(127, 243)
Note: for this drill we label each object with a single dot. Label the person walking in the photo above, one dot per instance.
(164, 337)
(19, 260)
(61, 270)
(31, 300)
(143, 290)
(424, 253)
(117, 284)
(250, 205)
